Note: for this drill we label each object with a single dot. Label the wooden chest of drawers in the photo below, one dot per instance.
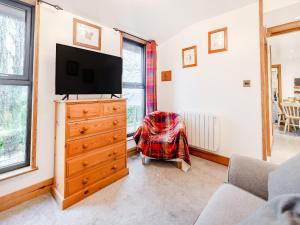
(90, 147)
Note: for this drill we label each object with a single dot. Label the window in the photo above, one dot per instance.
(134, 83)
(16, 51)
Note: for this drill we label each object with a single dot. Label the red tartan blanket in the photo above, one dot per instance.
(162, 136)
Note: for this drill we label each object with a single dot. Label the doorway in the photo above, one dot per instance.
(282, 71)
(276, 95)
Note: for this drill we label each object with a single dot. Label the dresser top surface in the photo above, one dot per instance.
(82, 101)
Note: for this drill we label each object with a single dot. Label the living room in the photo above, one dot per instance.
(187, 85)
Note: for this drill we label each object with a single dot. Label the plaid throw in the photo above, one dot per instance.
(151, 101)
(163, 136)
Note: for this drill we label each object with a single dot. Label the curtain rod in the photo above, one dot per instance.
(57, 7)
(121, 31)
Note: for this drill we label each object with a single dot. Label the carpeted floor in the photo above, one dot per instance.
(155, 194)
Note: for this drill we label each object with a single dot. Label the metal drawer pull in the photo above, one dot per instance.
(114, 167)
(115, 122)
(85, 181)
(85, 163)
(115, 137)
(116, 108)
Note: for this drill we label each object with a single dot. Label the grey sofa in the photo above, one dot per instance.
(247, 190)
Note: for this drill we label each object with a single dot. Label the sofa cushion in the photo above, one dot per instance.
(285, 179)
(228, 206)
(284, 209)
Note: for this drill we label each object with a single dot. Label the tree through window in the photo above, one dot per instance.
(134, 83)
(16, 41)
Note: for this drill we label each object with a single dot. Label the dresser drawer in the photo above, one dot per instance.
(80, 182)
(82, 128)
(114, 108)
(89, 143)
(82, 163)
(83, 111)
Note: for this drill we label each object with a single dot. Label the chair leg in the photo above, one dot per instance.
(143, 160)
(286, 125)
(292, 124)
(179, 164)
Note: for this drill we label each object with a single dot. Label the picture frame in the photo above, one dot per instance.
(218, 40)
(86, 34)
(189, 57)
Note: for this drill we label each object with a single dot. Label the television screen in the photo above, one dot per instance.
(80, 71)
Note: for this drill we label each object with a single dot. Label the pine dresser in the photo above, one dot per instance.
(90, 147)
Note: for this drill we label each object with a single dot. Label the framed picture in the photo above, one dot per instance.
(189, 57)
(86, 34)
(217, 40)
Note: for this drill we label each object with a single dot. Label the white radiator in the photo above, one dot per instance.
(202, 130)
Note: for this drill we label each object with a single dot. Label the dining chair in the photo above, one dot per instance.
(281, 116)
(292, 115)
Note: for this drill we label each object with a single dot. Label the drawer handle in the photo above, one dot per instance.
(116, 108)
(85, 163)
(114, 167)
(85, 111)
(115, 137)
(115, 152)
(85, 181)
(86, 192)
(85, 146)
(111, 154)
(115, 122)
(83, 130)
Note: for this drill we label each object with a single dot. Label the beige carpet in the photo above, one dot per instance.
(155, 194)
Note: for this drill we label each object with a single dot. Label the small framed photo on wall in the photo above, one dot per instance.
(189, 57)
(217, 40)
(86, 34)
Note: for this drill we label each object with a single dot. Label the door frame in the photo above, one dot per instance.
(265, 110)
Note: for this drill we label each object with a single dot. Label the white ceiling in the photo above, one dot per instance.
(285, 47)
(271, 5)
(156, 19)
(283, 15)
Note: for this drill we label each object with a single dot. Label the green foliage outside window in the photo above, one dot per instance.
(13, 117)
(135, 114)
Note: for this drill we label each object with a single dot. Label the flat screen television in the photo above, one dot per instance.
(79, 71)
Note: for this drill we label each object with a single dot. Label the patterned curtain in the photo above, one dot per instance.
(151, 99)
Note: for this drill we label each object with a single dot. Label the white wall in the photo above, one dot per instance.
(216, 84)
(290, 69)
(56, 27)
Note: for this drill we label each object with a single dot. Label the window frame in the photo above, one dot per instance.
(24, 80)
(136, 85)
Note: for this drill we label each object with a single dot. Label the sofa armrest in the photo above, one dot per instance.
(250, 174)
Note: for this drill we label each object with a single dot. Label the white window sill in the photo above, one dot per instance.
(17, 172)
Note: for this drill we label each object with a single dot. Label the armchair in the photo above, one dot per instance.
(162, 136)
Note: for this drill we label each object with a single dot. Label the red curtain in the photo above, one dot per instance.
(151, 97)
